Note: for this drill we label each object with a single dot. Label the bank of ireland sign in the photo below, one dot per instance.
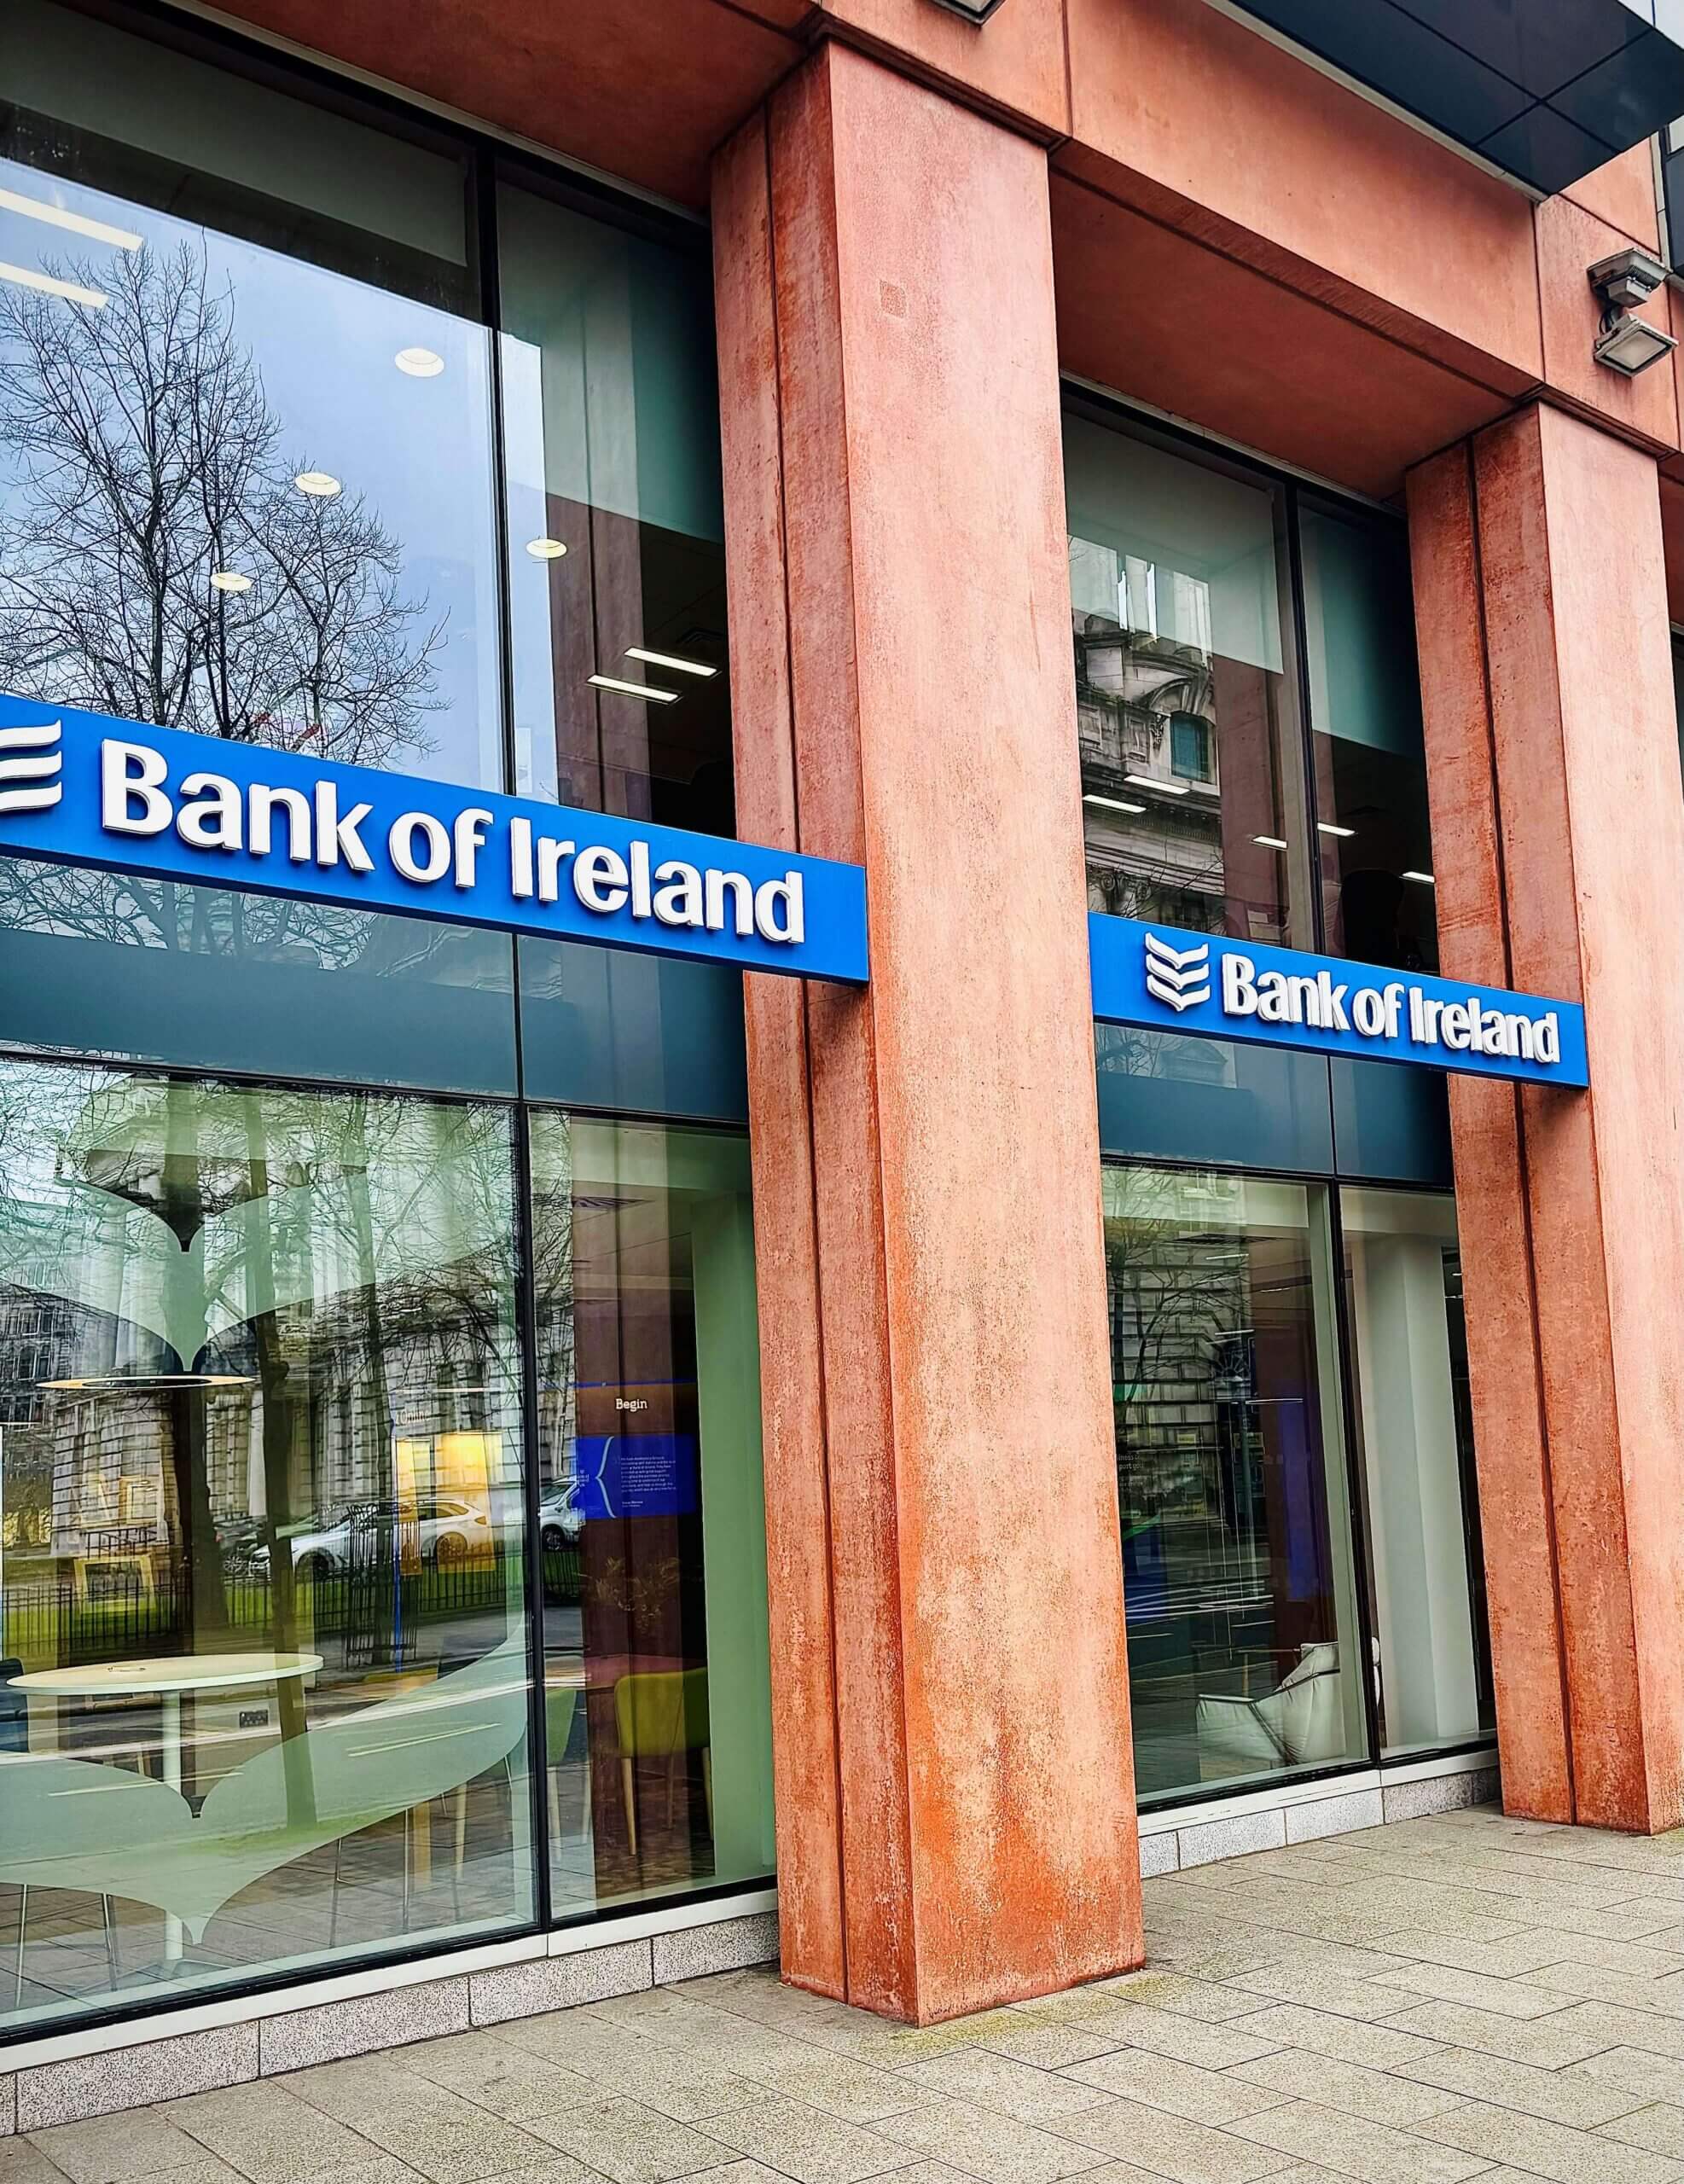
(1163, 979)
(82, 788)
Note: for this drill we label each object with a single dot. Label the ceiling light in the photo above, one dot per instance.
(146, 1384)
(230, 580)
(1326, 827)
(1113, 803)
(1164, 788)
(1425, 877)
(670, 659)
(1268, 841)
(419, 363)
(71, 291)
(634, 689)
(545, 550)
(1626, 343)
(320, 485)
(35, 208)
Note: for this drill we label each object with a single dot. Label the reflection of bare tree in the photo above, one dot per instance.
(146, 460)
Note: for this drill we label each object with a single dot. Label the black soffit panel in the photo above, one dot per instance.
(1545, 89)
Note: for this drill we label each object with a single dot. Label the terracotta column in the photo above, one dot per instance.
(1558, 826)
(954, 1773)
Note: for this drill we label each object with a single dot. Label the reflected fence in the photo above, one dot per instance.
(127, 1611)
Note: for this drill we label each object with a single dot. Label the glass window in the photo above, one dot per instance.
(247, 489)
(616, 524)
(652, 1522)
(1414, 1431)
(1191, 777)
(264, 1683)
(1238, 1572)
(1374, 847)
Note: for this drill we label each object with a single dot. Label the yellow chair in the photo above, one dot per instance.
(662, 1715)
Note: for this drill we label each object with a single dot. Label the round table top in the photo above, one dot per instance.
(175, 1672)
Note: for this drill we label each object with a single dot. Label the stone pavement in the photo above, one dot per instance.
(1463, 1996)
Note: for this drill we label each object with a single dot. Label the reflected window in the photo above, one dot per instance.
(1415, 1430)
(263, 1686)
(657, 1697)
(1238, 1580)
(1374, 846)
(1192, 779)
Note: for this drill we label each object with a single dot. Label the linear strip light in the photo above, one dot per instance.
(1268, 841)
(71, 291)
(670, 659)
(36, 208)
(1326, 827)
(634, 689)
(1424, 878)
(1164, 788)
(1113, 803)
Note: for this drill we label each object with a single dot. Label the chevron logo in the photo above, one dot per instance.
(1178, 977)
(30, 763)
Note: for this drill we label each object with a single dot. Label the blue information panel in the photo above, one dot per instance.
(1163, 979)
(634, 1474)
(81, 788)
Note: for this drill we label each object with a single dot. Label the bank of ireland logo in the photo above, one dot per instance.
(30, 766)
(1178, 977)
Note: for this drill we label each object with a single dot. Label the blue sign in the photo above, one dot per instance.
(80, 788)
(1163, 979)
(634, 1474)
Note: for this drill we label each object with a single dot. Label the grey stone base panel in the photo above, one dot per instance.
(45, 2094)
(1200, 1842)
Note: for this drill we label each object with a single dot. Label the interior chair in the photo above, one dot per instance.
(1299, 1723)
(662, 1715)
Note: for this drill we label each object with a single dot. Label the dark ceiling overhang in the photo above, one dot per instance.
(1545, 89)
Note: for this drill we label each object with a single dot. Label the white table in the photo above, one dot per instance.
(166, 1679)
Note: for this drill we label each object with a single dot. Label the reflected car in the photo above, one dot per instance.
(560, 1523)
(450, 1528)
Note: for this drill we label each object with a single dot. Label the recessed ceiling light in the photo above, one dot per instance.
(670, 659)
(71, 291)
(230, 580)
(1164, 788)
(1113, 803)
(1268, 841)
(545, 550)
(1426, 878)
(56, 216)
(320, 485)
(419, 363)
(634, 689)
(1326, 827)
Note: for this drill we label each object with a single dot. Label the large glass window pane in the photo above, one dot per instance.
(1238, 1566)
(247, 489)
(1374, 846)
(1191, 773)
(264, 1687)
(1414, 1424)
(616, 528)
(652, 1522)
(617, 610)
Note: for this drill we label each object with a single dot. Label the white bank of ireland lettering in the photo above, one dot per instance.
(1207, 985)
(77, 788)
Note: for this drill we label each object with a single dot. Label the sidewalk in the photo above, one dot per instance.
(1464, 1996)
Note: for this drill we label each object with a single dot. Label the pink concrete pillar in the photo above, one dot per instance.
(950, 1709)
(1558, 825)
